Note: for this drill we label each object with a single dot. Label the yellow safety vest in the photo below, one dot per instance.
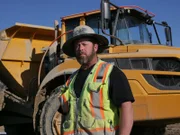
(93, 112)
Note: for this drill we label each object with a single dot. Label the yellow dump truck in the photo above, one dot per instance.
(32, 66)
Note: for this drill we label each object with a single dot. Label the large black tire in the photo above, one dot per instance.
(141, 130)
(48, 121)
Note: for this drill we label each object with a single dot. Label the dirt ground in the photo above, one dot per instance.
(173, 129)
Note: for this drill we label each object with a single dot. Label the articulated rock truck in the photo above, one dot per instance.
(33, 68)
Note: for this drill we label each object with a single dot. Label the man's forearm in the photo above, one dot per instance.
(126, 118)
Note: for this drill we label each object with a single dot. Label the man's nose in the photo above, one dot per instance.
(81, 47)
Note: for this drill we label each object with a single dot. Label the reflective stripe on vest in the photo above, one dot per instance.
(64, 104)
(97, 98)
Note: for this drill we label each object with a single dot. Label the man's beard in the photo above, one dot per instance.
(85, 59)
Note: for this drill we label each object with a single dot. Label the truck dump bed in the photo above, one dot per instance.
(20, 55)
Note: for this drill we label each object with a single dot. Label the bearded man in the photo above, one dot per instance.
(97, 99)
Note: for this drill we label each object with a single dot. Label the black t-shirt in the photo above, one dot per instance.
(119, 89)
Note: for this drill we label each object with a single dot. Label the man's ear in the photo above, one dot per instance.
(96, 47)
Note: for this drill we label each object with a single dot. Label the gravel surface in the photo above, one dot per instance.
(173, 129)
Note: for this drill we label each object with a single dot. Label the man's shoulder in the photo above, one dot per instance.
(115, 68)
(116, 71)
(109, 63)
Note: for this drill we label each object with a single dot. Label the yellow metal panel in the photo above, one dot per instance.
(33, 26)
(38, 45)
(82, 21)
(163, 106)
(156, 107)
(3, 45)
(136, 88)
(15, 50)
(140, 108)
(68, 67)
(27, 39)
(22, 72)
(63, 38)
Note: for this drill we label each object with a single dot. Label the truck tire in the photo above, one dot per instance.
(50, 118)
(141, 130)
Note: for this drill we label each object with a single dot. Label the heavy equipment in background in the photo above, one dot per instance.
(21, 51)
(33, 68)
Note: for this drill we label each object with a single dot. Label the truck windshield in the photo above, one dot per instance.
(132, 31)
(129, 29)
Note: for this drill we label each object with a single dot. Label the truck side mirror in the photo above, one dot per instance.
(105, 13)
(167, 33)
(168, 36)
